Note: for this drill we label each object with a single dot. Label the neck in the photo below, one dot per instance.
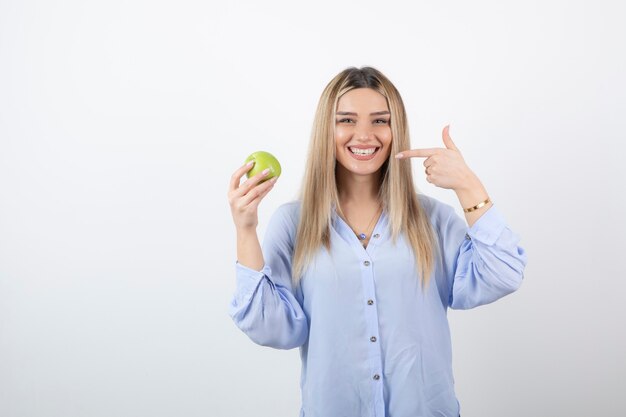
(361, 189)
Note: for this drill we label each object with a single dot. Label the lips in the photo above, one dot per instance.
(363, 153)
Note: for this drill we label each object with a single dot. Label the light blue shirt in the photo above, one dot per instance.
(372, 342)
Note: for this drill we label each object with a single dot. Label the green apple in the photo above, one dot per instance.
(263, 160)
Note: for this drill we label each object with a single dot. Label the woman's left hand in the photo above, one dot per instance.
(445, 167)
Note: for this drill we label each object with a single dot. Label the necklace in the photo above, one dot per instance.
(363, 236)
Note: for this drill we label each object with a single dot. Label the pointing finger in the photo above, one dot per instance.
(419, 153)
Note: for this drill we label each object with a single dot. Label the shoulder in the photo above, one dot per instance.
(282, 227)
(446, 223)
(290, 209)
(437, 211)
(287, 215)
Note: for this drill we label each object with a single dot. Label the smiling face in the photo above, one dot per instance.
(362, 131)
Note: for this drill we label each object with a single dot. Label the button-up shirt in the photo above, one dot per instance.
(372, 341)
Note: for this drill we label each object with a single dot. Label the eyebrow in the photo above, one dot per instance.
(347, 113)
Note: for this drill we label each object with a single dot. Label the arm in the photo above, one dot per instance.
(244, 201)
(473, 192)
(483, 262)
(249, 251)
(264, 305)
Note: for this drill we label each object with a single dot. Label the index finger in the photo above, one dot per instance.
(236, 177)
(420, 153)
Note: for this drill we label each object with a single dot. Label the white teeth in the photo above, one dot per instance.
(362, 151)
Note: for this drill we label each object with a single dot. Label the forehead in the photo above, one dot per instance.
(362, 98)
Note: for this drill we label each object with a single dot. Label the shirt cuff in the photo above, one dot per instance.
(488, 228)
(249, 279)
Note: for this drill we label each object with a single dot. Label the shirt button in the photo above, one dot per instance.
(376, 377)
(467, 237)
(370, 302)
(373, 338)
(376, 235)
(366, 263)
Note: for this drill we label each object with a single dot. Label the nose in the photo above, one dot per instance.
(362, 131)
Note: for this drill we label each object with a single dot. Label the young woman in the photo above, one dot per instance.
(360, 270)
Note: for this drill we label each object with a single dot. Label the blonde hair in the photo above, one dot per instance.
(397, 193)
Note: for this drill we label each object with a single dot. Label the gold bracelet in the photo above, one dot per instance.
(477, 206)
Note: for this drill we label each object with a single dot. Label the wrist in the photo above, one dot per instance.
(243, 231)
(472, 194)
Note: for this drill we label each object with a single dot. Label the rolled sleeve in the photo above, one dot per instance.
(248, 280)
(488, 228)
(485, 261)
(264, 306)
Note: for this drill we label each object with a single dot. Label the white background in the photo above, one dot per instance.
(122, 121)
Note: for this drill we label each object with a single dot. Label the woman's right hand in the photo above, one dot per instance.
(244, 198)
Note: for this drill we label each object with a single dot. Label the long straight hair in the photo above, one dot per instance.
(319, 194)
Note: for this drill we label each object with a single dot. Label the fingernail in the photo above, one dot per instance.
(250, 163)
(273, 180)
(398, 156)
(266, 171)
